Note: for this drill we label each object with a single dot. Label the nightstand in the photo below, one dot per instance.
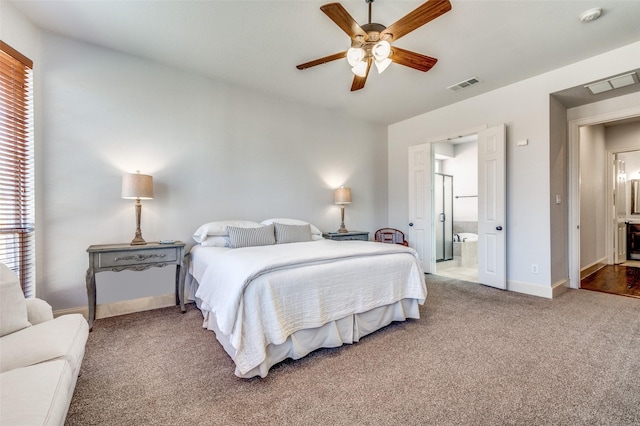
(345, 236)
(118, 257)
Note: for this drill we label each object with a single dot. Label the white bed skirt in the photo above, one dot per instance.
(330, 335)
(333, 334)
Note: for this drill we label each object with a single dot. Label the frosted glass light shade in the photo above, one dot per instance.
(355, 55)
(136, 185)
(381, 50)
(382, 65)
(360, 69)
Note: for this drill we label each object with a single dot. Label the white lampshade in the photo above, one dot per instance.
(355, 55)
(342, 195)
(381, 50)
(136, 185)
(382, 65)
(360, 69)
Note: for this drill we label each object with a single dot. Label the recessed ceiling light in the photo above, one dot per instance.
(591, 14)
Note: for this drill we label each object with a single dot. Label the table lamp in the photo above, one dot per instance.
(139, 187)
(342, 196)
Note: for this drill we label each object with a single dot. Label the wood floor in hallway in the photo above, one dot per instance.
(615, 279)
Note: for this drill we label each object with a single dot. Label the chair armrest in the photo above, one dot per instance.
(38, 311)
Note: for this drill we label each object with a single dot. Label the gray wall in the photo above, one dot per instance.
(215, 151)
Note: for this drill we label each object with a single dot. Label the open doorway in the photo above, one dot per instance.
(490, 184)
(455, 191)
(607, 213)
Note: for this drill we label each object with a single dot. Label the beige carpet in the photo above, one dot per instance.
(478, 356)
(635, 263)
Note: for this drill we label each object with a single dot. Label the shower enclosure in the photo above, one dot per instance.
(443, 203)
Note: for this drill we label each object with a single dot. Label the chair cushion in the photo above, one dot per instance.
(13, 307)
(63, 337)
(37, 395)
(38, 311)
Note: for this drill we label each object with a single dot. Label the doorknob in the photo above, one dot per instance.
(410, 223)
(499, 228)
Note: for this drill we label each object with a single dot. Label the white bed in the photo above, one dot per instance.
(269, 303)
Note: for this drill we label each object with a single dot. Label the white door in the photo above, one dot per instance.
(492, 261)
(420, 202)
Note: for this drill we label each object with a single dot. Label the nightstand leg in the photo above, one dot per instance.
(91, 294)
(180, 287)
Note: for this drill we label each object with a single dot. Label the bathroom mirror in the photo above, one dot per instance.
(635, 196)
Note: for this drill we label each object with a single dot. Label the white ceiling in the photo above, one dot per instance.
(257, 44)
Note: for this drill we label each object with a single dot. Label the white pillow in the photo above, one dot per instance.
(219, 228)
(13, 306)
(316, 234)
(222, 241)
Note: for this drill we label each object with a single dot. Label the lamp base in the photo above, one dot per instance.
(138, 241)
(343, 229)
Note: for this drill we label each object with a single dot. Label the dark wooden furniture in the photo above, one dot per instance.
(118, 257)
(344, 236)
(390, 236)
(633, 241)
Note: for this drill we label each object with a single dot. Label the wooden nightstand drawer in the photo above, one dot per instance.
(124, 258)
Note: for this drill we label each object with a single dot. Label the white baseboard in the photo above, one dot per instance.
(555, 290)
(124, 307)
(592, 268)
(529, 288)
(560, 287)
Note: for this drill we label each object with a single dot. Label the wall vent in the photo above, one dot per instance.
(612, 83)
(464, 84)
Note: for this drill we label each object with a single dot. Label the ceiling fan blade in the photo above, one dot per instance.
(412, 59)
(417, 18)
(341, 17)
(321, 61)
(358, 82)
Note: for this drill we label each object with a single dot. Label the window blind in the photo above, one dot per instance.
(17, 224)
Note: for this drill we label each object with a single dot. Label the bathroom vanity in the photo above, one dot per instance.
(633, 240)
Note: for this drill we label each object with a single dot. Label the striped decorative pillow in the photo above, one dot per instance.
(292, 233)
(249, 237)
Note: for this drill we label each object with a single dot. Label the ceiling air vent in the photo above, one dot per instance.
(613, 83)
(464, 84)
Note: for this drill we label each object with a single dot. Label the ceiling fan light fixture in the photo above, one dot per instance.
(381, 50)
(382, 65)
(355, 55)
(360, 69)
(371, 42)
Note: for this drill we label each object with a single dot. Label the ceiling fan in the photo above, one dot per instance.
(371, 43)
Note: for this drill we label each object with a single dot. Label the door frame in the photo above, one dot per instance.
(573, 185)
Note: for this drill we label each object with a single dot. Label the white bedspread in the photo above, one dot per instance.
(260, 295)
